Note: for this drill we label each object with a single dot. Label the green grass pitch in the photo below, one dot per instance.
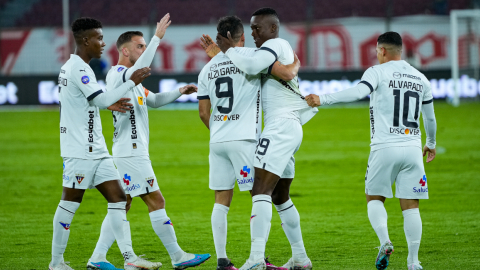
(328, 191)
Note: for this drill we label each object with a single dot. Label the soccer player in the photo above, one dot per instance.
(234, 124)
(398, 94)
(130, 147)
(86, 161)
(285, 111)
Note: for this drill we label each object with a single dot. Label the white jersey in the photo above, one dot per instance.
(80, 125)
(281, 98)
(131, 134)
(235, 98)
(398, 92)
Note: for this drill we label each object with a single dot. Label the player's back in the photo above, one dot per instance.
(279, 97)
(396, 104)
(131, 133)
(80, 125)
(235, 99)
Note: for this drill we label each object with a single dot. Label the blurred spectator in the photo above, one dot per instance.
(98, 66)
(440, 7)
(413, 59)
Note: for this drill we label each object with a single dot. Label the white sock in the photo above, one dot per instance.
(412, 224)
(378, 218)
(163, 227)
(260, 222)
(117, 217)
(61, 229)
(219, 229)
(291, 226)
(104, 243)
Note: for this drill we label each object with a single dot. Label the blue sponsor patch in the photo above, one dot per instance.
(120, 69)
(85, 79)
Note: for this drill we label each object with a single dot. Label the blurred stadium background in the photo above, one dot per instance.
(335, 40)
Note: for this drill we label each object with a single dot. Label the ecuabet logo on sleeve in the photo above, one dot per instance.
(85, 79)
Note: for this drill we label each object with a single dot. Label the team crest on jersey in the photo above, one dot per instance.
(120, 69)
(65, 225)
(169, 222)
(151, 181)
(80, 178)
(126, 179)
(85, 79)
(140, 100)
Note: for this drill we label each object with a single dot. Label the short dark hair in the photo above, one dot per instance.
(82, 24)
(127, 37)
(266, 11)
(232, 24)
(390, 38)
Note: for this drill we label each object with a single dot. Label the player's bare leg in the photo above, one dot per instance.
(223, 199)
(163, 227)
(378, 218)
(412, 225)
(71, 199)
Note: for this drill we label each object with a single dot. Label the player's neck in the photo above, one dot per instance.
(124, 62)
(82, 54)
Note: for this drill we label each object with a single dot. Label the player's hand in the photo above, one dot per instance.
(188, 89)
(162, 26)
(209, 46)
(313, 100)
(121, 105)
(227, 41)
(296, 61)
(140, 74)
(431, 153)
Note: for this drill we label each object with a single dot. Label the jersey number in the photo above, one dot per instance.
(406, 106)
(225, 94)
(262, 143)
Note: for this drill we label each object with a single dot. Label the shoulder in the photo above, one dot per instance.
(246, 50)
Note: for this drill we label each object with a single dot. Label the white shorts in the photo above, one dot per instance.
(136, 175)
(232, 162)
(280, 140)
(402, 165)
(88, 173)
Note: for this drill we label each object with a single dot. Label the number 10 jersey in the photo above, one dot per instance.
(235, 98)
(398, 91)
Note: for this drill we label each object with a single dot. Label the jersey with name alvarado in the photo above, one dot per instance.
(399, 90)
(235, 98)
(131, 133)
(80, 125)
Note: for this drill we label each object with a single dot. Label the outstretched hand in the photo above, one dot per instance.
(162, 26)
(313, 100)
(227, 41)
(188, 89)
(431, 153)
(121, 105)
(209, 46)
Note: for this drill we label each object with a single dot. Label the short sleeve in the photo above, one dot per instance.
(202, 87)
(427, 93)
(370, 78)
(85, 79)
(274, 47)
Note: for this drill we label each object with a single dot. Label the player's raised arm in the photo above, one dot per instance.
(286, 72)
(156, 100)
(105, 99)
(262, 59)
(145, 60)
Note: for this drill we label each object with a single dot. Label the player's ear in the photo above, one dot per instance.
(125, 52)
(85, 41)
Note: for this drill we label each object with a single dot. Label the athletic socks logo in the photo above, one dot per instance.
(169, 222)
(65, 225)
(126, 255)
(252, 217)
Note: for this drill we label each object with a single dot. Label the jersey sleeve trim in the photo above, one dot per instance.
(368, 84)
(123, 77)
(203, 97)
(428, 101)
(92, 96)
(270, 50)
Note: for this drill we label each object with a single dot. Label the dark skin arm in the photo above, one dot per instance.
(284, 72)
(204, 106)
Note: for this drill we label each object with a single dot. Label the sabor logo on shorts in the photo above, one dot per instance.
(422, 182)
(126, 179)
(245, 171)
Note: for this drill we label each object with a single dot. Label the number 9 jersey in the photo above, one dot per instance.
(398, 91)
(235, 99)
